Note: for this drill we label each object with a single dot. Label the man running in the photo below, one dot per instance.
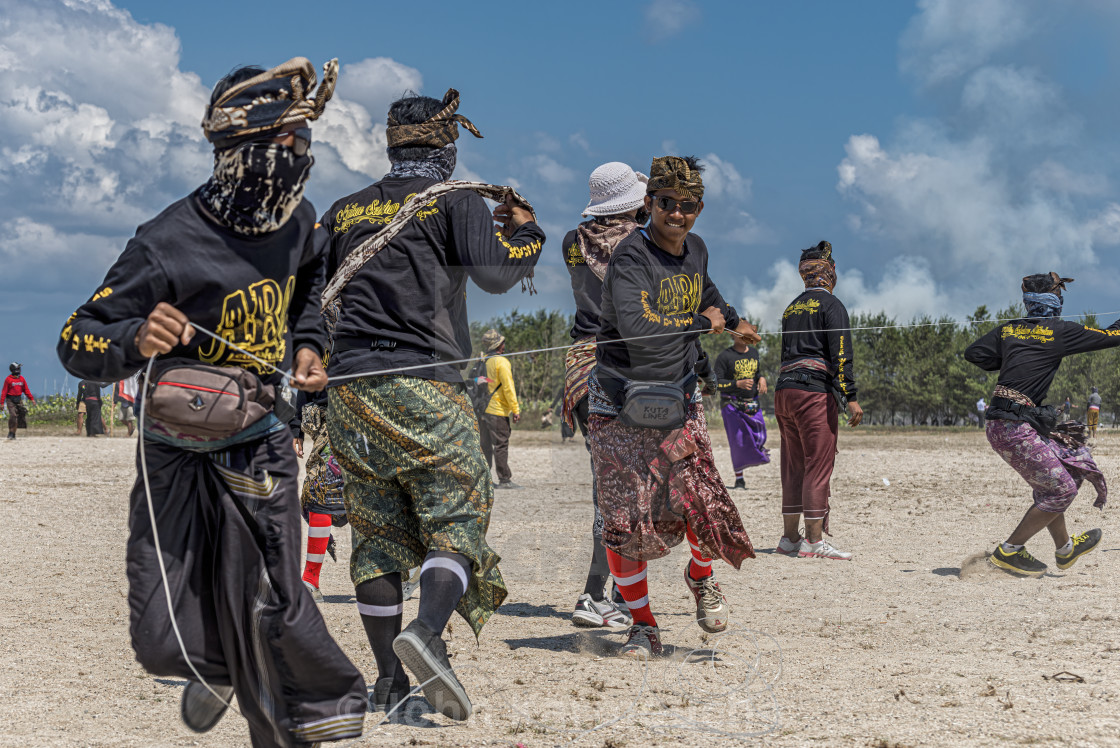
(655, 475)
(235, 257)
(740, 383)
(418, 489)
(816, 366)
(1051, 457)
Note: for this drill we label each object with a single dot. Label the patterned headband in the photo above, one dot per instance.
(1045, 283)
(269, 101)
(673, 173)
(437, 131)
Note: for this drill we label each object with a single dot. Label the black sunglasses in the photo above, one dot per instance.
(301, 140)
(668, 204)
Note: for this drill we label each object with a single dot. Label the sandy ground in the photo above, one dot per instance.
(916, 642)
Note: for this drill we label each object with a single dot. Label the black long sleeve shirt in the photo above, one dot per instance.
(1028, 352)
(261, 293)
(815, 325)
(731, 366)
(413, 293)
(648, 291)
(586, 288)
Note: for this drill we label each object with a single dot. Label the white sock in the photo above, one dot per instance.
(1010, 547)
(1066, 549)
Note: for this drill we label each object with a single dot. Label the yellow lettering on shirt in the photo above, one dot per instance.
(802, 307)
(746, 368)
(680, 294)
(255, 319)
(95, 345)
(519, 253)
(377, 213)
(1028, 332)
(102, 293)
(574, 256)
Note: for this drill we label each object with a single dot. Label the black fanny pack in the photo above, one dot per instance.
(1043, 418)
(820, 378)
(650, 405)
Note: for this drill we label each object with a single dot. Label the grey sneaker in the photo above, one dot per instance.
(316, 595)
(424, 653)
(506, 484)
(644, 641)
(788, 547)
(201, 709)
(592, 614)
(823, 549)
(711, 607)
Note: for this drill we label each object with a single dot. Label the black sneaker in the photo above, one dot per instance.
(1021, 563)
(424, 653)
(1082, 544)
(201, 709)
(740, 483)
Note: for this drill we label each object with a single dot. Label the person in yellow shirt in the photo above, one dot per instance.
(495, 423)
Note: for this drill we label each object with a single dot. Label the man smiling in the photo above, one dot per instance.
(645, 407)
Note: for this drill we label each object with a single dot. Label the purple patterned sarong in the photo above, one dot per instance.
(1054, 472)
(746, 434)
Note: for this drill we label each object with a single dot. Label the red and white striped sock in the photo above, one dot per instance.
(630, 580)
(318, 535)
(701, 566)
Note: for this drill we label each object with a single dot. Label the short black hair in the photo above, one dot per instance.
(412, 109)
(1039, 283)
(694, 163)
(232, 78)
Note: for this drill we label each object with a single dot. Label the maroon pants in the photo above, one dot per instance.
(807, 422)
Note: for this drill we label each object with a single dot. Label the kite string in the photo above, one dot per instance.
(674, 333)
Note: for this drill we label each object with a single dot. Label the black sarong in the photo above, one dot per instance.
(229, 527)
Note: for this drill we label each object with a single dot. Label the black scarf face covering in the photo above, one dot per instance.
(255, 187)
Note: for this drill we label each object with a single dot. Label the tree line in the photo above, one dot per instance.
(908, 373)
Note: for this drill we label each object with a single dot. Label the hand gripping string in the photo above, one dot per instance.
(159, 550)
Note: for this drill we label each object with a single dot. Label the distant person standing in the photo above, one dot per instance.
(124, 394)
(816, 366)
(1094, 412)
(15, 387)
(503, 406)
(89, 407)
(739, 385)
(981, 411)
(1067, 406)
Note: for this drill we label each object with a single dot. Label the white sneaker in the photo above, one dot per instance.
(591, 614)
(822, 550)
(787, 547)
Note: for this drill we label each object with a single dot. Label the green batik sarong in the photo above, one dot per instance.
(416, 481)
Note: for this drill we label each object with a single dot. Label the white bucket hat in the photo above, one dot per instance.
(615, 188)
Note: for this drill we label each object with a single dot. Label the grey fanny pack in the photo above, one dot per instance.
(212, 402)
(649, 405)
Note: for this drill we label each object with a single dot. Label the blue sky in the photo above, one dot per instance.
(944, 147)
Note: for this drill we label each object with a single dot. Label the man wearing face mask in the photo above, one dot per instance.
(657, 300)
(237, 257)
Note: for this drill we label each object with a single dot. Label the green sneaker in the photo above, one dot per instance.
(1082, 544)
(1021, 563)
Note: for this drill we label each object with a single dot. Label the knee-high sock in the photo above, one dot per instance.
(700, 566)
(598, 572)
(630, 581)
(318, 535)
(443, 580)
(380, 603)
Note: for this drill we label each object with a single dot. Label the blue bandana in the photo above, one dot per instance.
(1042, 304)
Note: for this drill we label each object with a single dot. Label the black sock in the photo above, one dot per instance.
(377, 599)
(596, 584)
(443, 578)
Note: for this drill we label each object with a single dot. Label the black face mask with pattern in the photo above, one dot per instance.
(256, 186)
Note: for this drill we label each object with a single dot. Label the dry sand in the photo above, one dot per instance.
(916, 642)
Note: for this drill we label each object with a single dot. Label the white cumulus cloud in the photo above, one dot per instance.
(666, 18)
(949, 38)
